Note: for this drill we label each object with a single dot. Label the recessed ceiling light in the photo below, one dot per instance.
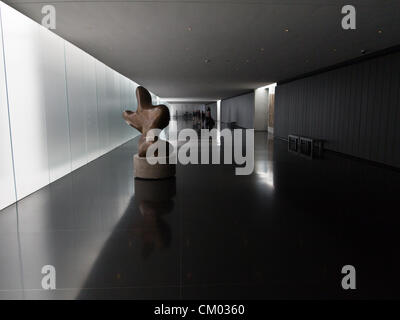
(380, 31)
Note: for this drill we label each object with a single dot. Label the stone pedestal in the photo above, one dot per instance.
(144, 170)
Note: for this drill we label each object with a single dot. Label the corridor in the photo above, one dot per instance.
(283, 232)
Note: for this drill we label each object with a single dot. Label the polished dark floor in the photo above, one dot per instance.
(283, 232)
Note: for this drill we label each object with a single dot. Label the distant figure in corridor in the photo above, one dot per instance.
(209, 121)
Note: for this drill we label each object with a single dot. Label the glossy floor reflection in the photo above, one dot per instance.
(283, 232)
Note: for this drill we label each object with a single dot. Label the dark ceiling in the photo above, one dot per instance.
(204, 50)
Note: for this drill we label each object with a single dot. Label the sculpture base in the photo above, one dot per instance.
(144, 170)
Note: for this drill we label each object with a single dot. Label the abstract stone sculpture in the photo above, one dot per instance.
(147, 117)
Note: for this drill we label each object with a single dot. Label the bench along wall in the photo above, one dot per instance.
(60, 108)
(355, 108)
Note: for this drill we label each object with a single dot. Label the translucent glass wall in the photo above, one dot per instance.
(60, 108)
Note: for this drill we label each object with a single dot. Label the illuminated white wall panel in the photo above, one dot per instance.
(74, 60)
(90, 93)
(102, 106)
(115, 107)
(109, 78)
(125, 104)
(130, 95)
(7, 188)
(26, 92)
(65, 107)
(109, 81)
(55, 97)
(134, 102)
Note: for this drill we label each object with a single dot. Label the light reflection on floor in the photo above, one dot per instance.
(283, 232)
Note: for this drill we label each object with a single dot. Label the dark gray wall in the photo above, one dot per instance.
(239, 109)
(355, 108)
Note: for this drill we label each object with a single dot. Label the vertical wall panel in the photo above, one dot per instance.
(371, 105)
(109, 83)
(383, 123)
(63, 108)
(324, 106)
(261, 101)
(239, 109)
(336, 108)
(396, 114)
(135, 103)
(131, 95)
(55, 95)
(122, 106)
(7, 187)
(393, 112)
(369, 134)
(278, 112)
(110, 101)
(90, 92)
(116, 110)
(74, 60)
(378, 113)
(343, 109)
(23, 59)
(129, 106)
(354, 108)
(364, 78)
(102, 106)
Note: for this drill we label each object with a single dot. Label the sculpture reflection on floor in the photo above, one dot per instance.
(143, 234)
(154, 199)
(146, 118)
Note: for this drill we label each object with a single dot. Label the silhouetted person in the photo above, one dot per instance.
(209, 121)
